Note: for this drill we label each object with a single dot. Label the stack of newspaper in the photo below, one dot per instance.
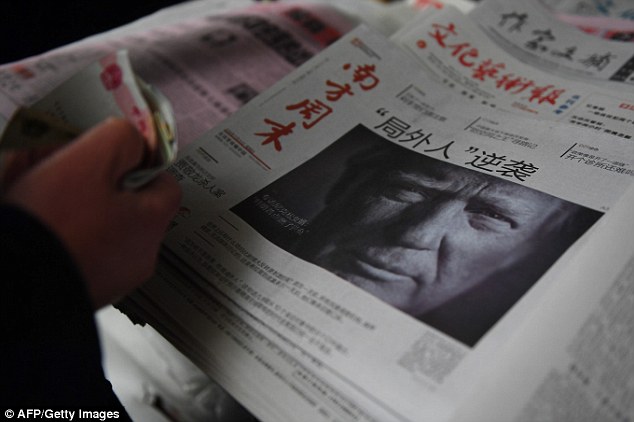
(415, 211)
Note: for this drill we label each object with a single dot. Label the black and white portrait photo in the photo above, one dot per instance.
(452, 247)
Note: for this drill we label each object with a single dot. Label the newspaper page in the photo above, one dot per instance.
(357, 243)
(582, 367)
(207, 66)
(456, 52)
(108, 88)
(209, 57)
(530, 32)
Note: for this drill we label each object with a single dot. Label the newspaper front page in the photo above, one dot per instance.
(457, 53)
(358, 243)
(533, 34)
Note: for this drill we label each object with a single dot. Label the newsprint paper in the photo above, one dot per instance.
(535, 35)
(455, 51)
(359, 243)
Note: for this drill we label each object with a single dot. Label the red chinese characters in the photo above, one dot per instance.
(277, 131)
(311, 111)
(484, 69)
(364, 76)
(314, 110)
(337, 90)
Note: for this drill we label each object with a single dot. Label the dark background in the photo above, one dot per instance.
(31, 27)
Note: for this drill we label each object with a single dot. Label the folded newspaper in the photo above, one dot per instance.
(107, 88)
(535, 35)
(361, 243)
(455, 51)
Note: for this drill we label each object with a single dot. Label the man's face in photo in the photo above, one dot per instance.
(422, 232)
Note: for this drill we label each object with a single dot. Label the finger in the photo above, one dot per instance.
(113, 145)
(16, 163)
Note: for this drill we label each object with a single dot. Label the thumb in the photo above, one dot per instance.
(114, 145)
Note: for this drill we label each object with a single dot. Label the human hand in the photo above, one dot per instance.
(16, 163)
(113, 234)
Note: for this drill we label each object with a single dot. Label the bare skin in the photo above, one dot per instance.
(112, 234)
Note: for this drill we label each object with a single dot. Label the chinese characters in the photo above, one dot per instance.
(311, 111)
(490, 162)
(447, 37)
(540, 40)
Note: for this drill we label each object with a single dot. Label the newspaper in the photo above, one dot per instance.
(453, 50)
(172, 51)
(107, 88)
(580, 368)
(207, 66)
(530, 32)
(323, 382)
(352, 151)
(612, 20)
